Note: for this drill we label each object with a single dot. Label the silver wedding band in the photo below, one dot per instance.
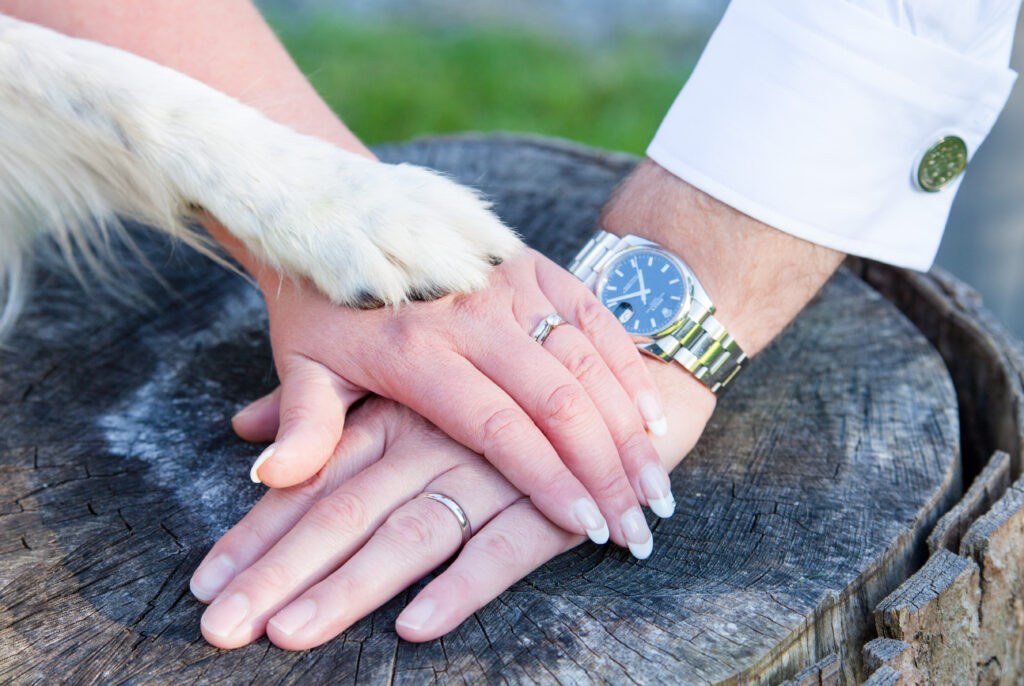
(453, 507)
(546, 326)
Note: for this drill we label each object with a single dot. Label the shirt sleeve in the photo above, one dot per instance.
(813, 116)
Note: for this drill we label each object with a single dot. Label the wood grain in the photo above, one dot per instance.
(807, 500)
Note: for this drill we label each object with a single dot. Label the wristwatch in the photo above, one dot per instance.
(660, 302)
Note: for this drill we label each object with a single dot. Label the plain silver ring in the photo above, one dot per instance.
(455, 509)
(547, 325)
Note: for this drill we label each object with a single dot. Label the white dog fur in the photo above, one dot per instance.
(89, 133)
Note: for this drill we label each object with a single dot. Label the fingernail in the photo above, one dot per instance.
(294, 617)
(650, 410)
(225, 615)
(417, 615)
(254, 473)
(211, 578)
(656, 486)
(638, 536)
(590, 519)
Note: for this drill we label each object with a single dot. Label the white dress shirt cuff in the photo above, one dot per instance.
(812, 116)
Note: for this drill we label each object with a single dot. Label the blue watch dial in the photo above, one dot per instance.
(645, 289)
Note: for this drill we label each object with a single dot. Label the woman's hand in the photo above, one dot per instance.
(562, 422)
(310, 560)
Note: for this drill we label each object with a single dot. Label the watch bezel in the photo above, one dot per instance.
(684, 307)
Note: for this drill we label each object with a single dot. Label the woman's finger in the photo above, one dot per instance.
(639, 458)
(514, 543)
(567, 415)
(259, 421)
(578, 304)
(469, 407)
(333, 529)
(314, 401)
(414, 540)
(281, 508)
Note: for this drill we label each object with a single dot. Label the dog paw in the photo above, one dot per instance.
(366, 233)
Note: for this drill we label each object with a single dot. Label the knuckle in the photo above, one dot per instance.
(345, 511)
(498, 547)
(634, 442)
(248, 532)
(470, 587)
(565, 405)
(418, 339)
(295, 414)
(631, 365)
(608, 485)
(270, 574)
(408, 528)
(585, 364)
(344, 587)
(591, 316)
(474, 307)
(503, 428)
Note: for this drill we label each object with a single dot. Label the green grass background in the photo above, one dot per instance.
(392, 82)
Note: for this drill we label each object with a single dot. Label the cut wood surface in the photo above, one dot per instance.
(984, 359)
(807, 500)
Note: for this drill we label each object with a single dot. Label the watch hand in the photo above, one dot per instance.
(642, 294)
(643, 289)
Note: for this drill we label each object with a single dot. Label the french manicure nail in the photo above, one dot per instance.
(225, 615)
(418, 615)
(658, 489)
(638, 537)
(254, 473)
(650, 410)
(590, 519)
(211, 578)
(294, 617)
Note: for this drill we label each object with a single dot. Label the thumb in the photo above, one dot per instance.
(313, 404)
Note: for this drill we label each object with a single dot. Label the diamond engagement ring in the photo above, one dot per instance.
(455, 509)
(546, 326)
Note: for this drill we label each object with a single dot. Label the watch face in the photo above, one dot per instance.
(645, 289)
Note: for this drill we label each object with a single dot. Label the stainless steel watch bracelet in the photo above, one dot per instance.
(699, 342)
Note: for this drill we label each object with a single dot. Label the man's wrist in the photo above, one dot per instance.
(758, 278)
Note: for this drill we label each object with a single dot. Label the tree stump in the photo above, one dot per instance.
(808, 499)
